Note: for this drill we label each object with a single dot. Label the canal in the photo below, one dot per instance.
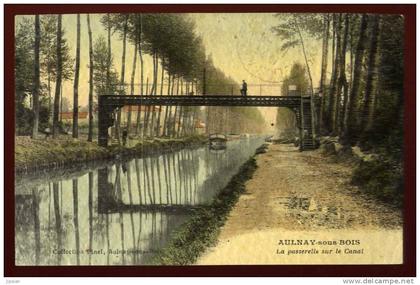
(119, 213)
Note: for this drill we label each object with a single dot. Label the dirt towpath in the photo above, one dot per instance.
(299, 208)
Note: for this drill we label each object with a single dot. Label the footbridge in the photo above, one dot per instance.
(300, 105)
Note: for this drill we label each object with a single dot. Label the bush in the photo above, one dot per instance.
(24, 119)
(382, 178)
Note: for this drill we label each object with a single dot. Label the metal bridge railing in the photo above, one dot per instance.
(216, 89)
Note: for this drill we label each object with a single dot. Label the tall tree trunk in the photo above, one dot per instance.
(90, 133)
(50, 111)
(147, 112)
(133, 75)
(342, 81)
(332, 96)
(350, 83)
(161, 93)
(308, 69)
(351, 66)
(61, 104)
(141, 72)
(324, 66)
(368, 105)
(152, 88)
(324, 61)
(181, 113)
(192, 111)
(76, 83)
(122, 80)
(196, 109)
(58, 78)
(350, 133)
(156, 73)
(176, 110)
(333, 43)
(154, 92)
(35, 91)
(189, 110)
(108, 60)
(168, 129)
(165, 120)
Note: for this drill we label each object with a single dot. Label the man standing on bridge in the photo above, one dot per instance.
(244, 88)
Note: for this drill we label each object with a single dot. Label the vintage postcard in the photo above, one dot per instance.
(149, 135)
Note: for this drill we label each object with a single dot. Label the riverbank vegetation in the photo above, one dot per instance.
(33, 155)
(362, 103)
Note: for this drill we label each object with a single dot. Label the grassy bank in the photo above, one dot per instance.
(32, 155)
(377, 173)
(202, 229)
(383, 178)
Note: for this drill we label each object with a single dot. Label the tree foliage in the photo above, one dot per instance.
(100, 66)
(296, 77)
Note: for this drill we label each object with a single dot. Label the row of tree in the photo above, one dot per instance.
(363, 101)
(179, 63)
(36, 70)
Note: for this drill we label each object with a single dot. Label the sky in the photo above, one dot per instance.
(242, 45)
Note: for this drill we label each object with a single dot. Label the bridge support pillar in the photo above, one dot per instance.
(106, 119)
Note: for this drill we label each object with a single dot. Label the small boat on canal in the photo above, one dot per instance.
(217, 141)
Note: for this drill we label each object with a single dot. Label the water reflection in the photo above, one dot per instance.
(122, 213)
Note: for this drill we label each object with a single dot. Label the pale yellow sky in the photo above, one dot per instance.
(241, 44)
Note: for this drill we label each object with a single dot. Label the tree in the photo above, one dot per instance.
(48, 47)
(58, 80)
(107, 22)
(139, 31)
(76, 82)
(324, 61)
(387, 131)
(296, 77)
(35, 95)
(105, 77)
(24, 79)
(122, 81)
(351, 124)
(133, 75)
(65, 105)
(342, 82)
(24, 63)
(324, 65)
(285, 119)
(369, 98)
(121, 24)
(333, 96)
(90, 132)
(291, 30)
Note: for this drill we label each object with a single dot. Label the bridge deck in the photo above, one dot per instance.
(201, 100)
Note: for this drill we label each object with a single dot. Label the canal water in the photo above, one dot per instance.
(120, 213)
